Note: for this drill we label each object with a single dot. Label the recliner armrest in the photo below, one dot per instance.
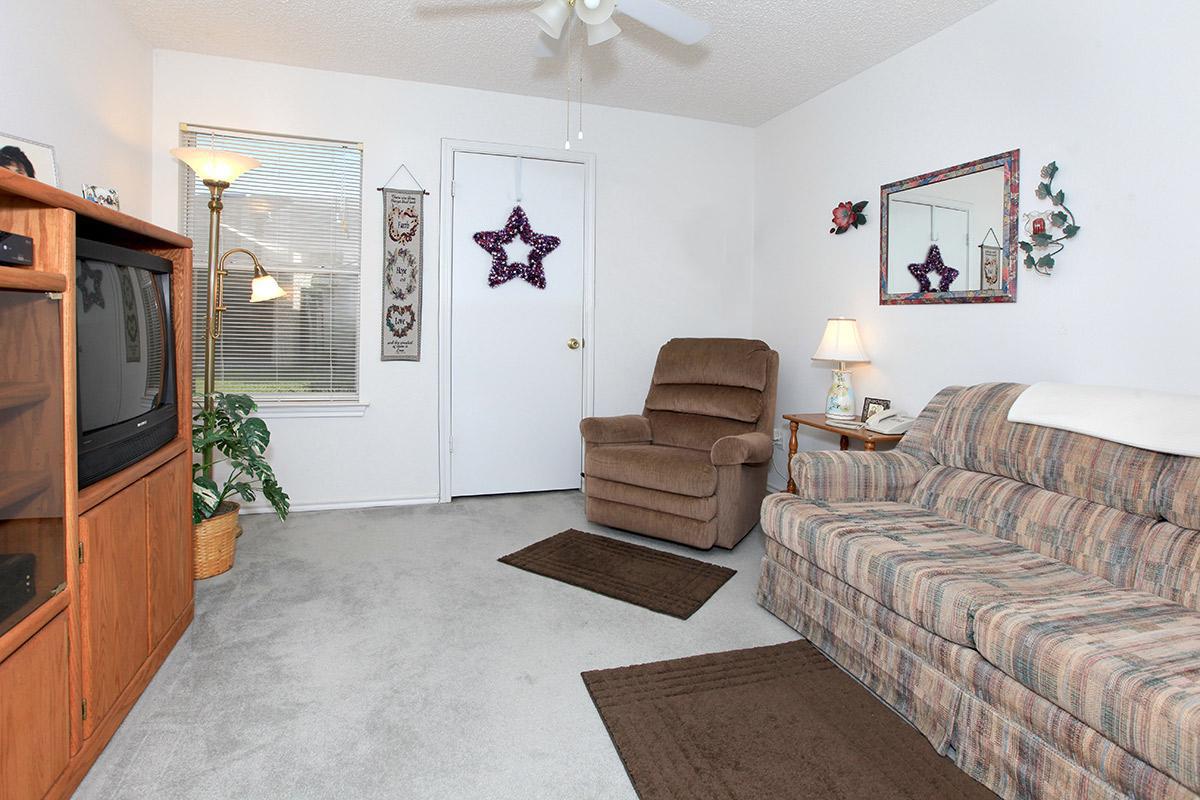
(628, 429)
(835, 475)
(744, 448)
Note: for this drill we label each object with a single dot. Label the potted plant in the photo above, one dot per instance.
(228, 435)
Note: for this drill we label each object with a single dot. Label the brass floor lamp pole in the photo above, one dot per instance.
(217, 169)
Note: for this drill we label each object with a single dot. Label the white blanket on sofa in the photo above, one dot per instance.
(1168, 423)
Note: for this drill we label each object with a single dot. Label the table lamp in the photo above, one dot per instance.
(217, 169)
(841, 343)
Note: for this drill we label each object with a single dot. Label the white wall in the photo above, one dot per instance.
(674, 227)
(1104, 88)
(77, 77)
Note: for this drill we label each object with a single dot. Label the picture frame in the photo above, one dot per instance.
(29, 158)
(872, 406)
(101, 195)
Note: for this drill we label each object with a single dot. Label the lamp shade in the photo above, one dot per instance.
(603, 31)
(264, 286)
(841, 342)
(215, 165)
(552, 15)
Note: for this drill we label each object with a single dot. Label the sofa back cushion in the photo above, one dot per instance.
(704, 389)
(973, 433)
(1177, 494)
(1168, 564)
(1091, 537)
(918, 442)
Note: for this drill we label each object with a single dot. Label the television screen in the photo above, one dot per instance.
(121, 342)
(124, 350)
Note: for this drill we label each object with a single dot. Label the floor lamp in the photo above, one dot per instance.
(217, 169)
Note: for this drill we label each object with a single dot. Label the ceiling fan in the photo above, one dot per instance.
(597, 15)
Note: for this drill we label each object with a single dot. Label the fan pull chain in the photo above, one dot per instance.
(567, 141)
(581, 98)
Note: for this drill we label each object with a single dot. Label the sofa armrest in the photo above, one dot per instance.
(834, 475)
(629, 429)
(745, 448)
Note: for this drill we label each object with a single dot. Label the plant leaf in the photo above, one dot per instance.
(1042, 239)
(1059, 198)
(1046, 262)
(1058, 219)
(1049, 171)
(1026, 246)
(1043, 191)
(1070, 230)
(860, 205)
(1029, 262)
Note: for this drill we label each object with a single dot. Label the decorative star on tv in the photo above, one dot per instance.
(503, 270)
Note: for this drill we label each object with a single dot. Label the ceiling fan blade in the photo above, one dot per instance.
(666, 20)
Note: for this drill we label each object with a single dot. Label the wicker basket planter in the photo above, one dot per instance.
(214, 541)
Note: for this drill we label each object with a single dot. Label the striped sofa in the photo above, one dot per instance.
(1028, 598)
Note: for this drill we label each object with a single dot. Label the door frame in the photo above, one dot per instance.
(450, 147)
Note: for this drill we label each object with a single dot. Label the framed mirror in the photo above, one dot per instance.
(950, 236)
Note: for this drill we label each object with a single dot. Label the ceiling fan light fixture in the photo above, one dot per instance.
(552, 16)
(596, 13)
(602, 32)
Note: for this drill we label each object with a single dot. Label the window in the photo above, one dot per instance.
(301, 214)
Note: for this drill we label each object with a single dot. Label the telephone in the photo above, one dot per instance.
(890, 421)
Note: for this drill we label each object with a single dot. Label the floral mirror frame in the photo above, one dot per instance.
(1007, 290)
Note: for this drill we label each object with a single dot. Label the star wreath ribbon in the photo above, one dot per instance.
(540, 244)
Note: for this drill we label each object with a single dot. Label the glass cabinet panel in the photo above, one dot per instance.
(32, 530)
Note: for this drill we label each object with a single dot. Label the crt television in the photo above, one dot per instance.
(125, 357)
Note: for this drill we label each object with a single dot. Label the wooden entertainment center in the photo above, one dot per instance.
(113, 591)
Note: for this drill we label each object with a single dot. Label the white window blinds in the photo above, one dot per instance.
(301, 214)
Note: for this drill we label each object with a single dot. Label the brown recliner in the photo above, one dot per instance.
(693, 466)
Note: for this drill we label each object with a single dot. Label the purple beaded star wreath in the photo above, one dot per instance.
(503, 271)
(933, 263)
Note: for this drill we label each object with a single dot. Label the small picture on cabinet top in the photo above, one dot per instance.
(28, 158)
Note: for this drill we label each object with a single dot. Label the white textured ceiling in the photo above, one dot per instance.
(761, 59)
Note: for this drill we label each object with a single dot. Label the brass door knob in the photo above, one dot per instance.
(574, 344)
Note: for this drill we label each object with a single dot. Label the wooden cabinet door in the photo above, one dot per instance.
(35, 722)
(169, 543)
(114, 609)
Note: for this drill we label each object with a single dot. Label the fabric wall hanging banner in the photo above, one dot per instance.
(403, 264)
(540, 246)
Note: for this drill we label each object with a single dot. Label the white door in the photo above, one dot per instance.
(516, 383)
(951, 233)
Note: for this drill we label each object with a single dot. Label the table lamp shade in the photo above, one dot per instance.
(215, 165)
(841, 342)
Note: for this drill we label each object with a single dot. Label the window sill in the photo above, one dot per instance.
(303, 409)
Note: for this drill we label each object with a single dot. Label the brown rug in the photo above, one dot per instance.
(662, 582)
(774, 722)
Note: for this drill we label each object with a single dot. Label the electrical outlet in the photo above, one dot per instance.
(778, 438)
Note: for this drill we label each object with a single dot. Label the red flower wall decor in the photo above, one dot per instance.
(848, 215)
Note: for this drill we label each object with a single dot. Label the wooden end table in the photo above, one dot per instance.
(869, 438)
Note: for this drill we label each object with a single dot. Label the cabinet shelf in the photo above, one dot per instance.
(16, 395)
(17, 488)
(31, 280)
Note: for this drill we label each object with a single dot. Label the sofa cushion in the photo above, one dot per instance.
(669, 469)
(1168, 564)
(973, 433)
(1177, 494)
(835, 476)
(924, 567)
(1091, 537)
(1127, 663)
(721, 362)
(731, 402)
(918, 442)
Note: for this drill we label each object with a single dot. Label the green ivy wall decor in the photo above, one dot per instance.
(1041, 226)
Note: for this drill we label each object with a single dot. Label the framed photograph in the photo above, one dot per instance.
(102, 195)
(872, 406)
(28, 158)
